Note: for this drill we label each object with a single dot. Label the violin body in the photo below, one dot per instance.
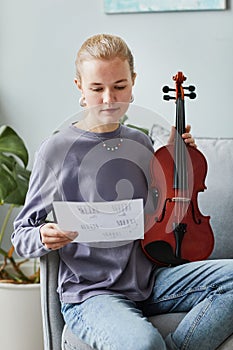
(177, 232)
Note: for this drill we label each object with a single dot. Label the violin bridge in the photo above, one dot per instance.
(181, 199)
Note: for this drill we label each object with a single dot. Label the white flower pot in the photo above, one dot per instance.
(20, 317)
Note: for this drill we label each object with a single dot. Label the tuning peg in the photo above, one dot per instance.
(167, 89)
(192, 95)
(190, 88)
(167, 97)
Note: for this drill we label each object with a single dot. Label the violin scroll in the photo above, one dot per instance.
(179, 78)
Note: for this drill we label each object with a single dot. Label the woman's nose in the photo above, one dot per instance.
(108, 96)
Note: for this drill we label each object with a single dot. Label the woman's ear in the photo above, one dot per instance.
(77, 83)
(134, 77)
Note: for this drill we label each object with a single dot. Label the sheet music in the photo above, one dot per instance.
(102, 221)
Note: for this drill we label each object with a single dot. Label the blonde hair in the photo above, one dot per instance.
(104, 46)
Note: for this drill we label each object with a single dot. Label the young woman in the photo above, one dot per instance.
(98, 159)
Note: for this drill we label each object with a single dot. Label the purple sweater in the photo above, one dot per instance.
(73, 165)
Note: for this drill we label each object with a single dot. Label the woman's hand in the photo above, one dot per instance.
(54, 238)
(186, 136)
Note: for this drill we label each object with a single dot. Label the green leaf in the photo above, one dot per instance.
(146, 131)
(123, 119)
(7, 184)
(11, 143)
(14, 177)
(21, 178)
(14, 180)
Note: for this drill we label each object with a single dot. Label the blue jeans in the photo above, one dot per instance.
(203, 289)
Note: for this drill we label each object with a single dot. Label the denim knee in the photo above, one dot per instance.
(147, 340)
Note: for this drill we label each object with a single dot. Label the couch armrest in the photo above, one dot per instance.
(53, 322)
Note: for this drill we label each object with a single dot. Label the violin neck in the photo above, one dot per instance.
(180, 181)
(180, 117)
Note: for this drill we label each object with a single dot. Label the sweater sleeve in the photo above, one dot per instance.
(38, 204)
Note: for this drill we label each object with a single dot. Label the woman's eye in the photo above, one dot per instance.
(120, 87)
(96, 89)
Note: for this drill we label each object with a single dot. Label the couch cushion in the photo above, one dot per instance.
(72, 342)
(217, 200)
(167, 323)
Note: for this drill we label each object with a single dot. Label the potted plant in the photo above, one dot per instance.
(20, 317)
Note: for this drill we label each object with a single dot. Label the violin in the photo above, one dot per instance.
(177, 232)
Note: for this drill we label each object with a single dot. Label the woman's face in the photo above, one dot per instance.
(107, 83)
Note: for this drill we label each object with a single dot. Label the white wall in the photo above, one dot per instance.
(38, 44)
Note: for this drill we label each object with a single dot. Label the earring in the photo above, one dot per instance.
(82, 101)
(131, 99)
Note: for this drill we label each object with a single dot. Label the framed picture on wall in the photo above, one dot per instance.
(134, 6)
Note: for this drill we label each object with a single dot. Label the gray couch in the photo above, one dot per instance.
(216, 201)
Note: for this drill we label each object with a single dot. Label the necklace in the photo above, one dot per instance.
(114, 147)
(109, 147)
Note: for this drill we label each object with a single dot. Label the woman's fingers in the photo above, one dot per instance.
(54, 238)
